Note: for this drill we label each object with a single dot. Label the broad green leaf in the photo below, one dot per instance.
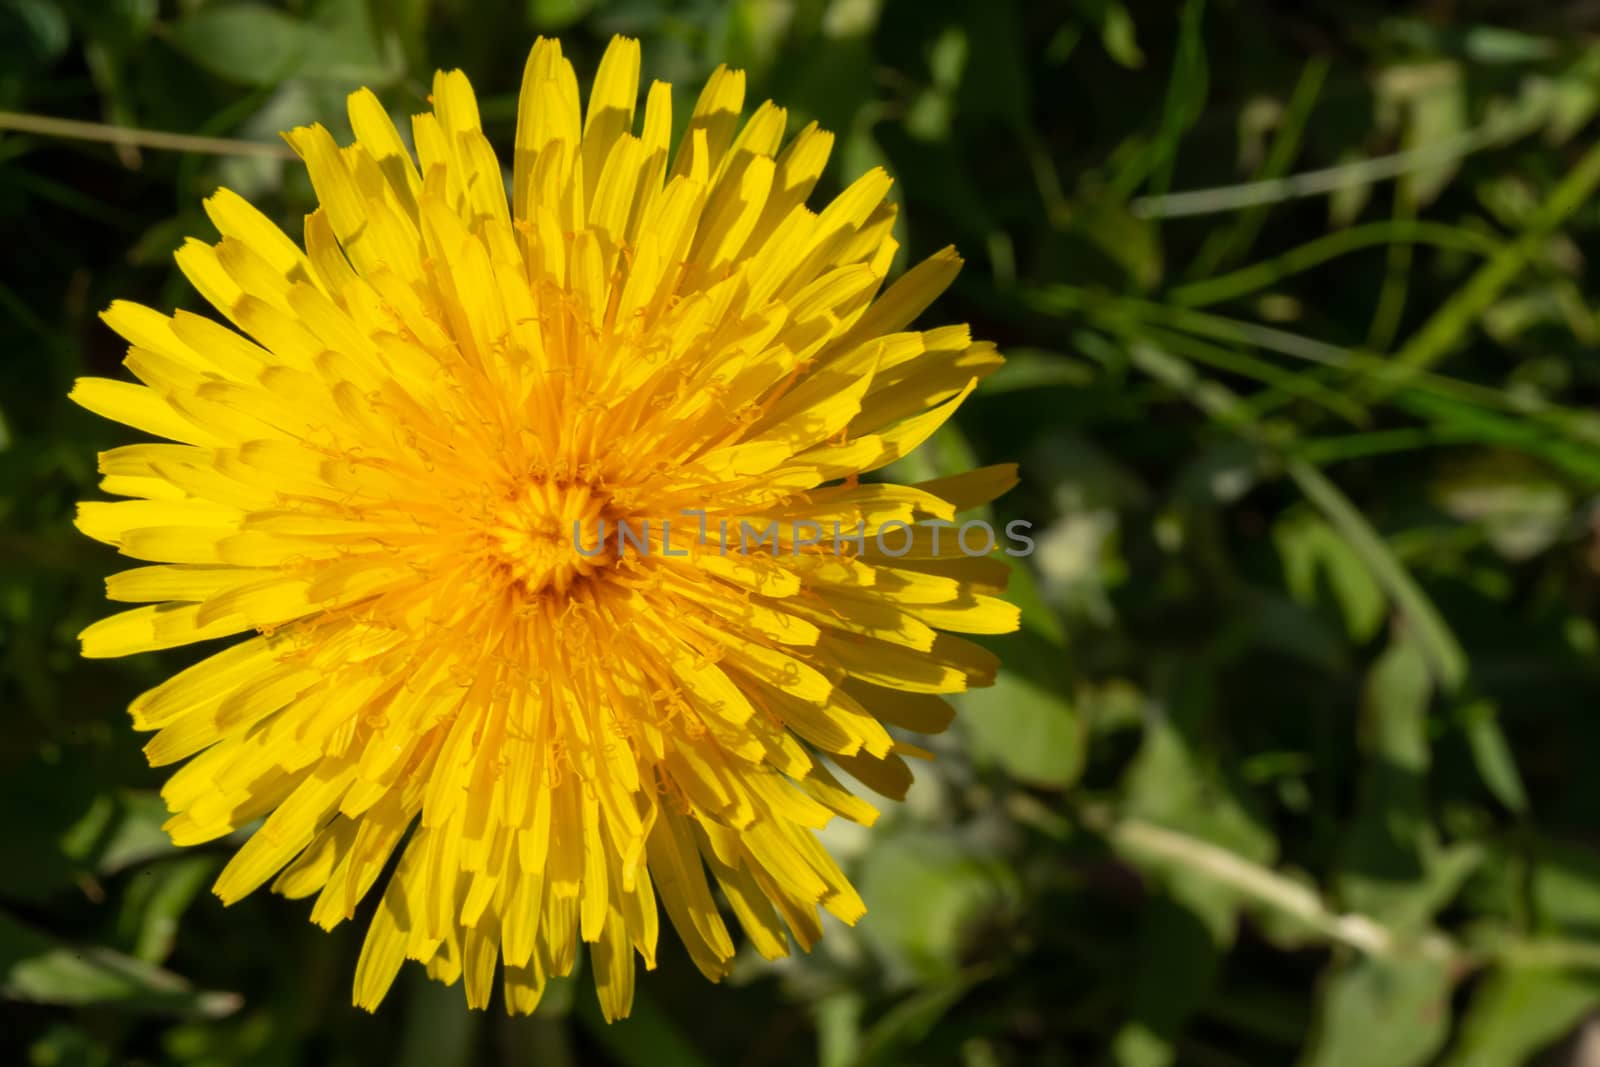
(1023, 723)
(74, 830)
(1437, 642)
(1394, 739)
(1177, 784)
(1495, 44)
(1576, 98)
(1518, 1010)
(1392, 865)
(1119, 38)
(839, 1020)
(926, 894)
(246, 43)
(1038, 617)
(347, 44)
(1380, 1013)
(120, 830)
(154, 904)
(33, 34)
(1192, 916)
(1491, 753)
(557, 14)
(892, 1037)
(36, 967)
(1316, 558)
(1565, 889)
(1186, 928)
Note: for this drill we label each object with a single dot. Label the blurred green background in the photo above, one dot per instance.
(1297, 759)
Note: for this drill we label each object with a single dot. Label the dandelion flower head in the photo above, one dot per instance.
(371, 479)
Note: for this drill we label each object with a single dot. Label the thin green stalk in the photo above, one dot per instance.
(1396, 277)
(1345, 176)
(1150, 843)
(1233, 243)
(1123, 315)
(1458, 315)
(74, 129)
(1185, 100)
(1313, 254)
(1302, 386)
(1328, 450)
(1433, 636)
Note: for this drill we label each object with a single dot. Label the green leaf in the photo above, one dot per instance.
(1380, 1013)
(1118, 36)
(1426, 626)
(1181, 941)
(1038, 617)
(1518, 1010)
(33, 34)
(1192, 917)
(120, 830)
(1187, 91)
(926, 892)
(1385, 850)
(892, 1037)
(1176, 783)
(1494, 44)
(1491, 753)
(1445, 657)
(1023, 724)
(557, 14)
(839, 1029)
(36, 967)
(74, 830)
(155, 902)
(1565, 889)
(245, 43)
(1576, 98)
(348, 45)
(1313, 554)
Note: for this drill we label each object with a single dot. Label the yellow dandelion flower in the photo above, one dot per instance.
(400, 474)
